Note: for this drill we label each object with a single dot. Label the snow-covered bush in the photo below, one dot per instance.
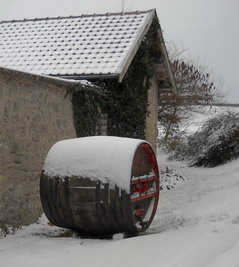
(217, 142)
(170, 179)
(8, 230)
(174, 139)
(176, 145)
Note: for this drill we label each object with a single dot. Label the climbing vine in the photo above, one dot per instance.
(125, 103)
(88, 102)
(129, 99)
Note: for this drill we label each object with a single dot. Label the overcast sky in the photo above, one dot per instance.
(209, 29)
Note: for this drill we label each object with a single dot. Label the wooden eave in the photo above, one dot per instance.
(163, 69)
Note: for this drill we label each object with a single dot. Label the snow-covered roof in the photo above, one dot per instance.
(80, 46)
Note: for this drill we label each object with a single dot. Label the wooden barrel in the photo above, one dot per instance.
(100, 185)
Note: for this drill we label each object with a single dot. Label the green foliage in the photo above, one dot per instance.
(87, 104)
(125, 103)
(128, 107)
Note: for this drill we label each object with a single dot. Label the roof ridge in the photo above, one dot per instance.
(79, 16)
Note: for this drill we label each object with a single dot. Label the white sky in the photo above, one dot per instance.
(209, 29)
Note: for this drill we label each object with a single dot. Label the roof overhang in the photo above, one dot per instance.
(122, 69)
(134, 48)
(93, 47)
(165, 76)
(163, 69)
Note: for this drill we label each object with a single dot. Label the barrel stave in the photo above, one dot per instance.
(88, 205)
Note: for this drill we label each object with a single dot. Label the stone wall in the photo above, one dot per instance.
(34, 114)
(151, 131)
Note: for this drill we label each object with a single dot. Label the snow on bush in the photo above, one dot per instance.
(8, 230)
(217, 142)
(170, 179)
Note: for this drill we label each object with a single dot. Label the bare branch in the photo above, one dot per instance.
(195, 86)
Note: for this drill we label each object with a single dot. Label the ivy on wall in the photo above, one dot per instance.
(88, 103)
(129, 109)
(125, 103)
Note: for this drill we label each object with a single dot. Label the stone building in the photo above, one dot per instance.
(35, 113)
(41, 62)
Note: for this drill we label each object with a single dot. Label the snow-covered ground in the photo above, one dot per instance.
(197, 224)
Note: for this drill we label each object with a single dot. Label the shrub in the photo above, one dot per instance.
(216, 143)
(175, 145)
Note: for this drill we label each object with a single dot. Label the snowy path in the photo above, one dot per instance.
(197, 224)
(202, 215)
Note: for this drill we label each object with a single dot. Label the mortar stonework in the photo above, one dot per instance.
(33, 116)
(151, 131)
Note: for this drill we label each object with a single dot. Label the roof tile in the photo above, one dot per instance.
(71, 46)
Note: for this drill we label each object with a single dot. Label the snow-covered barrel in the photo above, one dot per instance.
(100, 185)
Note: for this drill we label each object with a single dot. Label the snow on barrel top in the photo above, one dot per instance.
(104, 158)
